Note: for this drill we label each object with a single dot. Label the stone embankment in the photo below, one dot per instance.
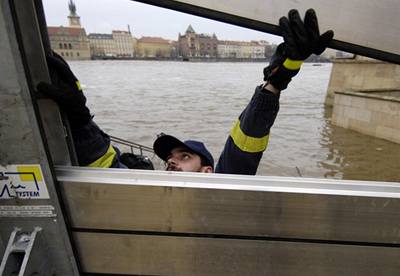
(365, 95)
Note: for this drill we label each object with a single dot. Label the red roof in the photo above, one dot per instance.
(120, 32)
(70, 31)
(149, 39)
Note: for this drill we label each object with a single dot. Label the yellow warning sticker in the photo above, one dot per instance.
(29, 173)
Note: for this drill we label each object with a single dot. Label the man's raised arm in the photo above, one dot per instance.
(249, 136)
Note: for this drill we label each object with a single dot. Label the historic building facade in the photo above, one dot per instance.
(73, 44)
(70, 42)
(240, 49)
(102, 45)
(192, 44)
(124, 43)
(119, 44)
(154, 47)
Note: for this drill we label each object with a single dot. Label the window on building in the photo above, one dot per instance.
(60, 45)
(70, 46)
(62, 53)
(67, 54)
(77, 54)
(65, 46)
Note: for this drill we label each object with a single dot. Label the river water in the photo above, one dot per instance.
(136, 100)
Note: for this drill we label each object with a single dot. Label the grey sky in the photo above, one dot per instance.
(102, 16)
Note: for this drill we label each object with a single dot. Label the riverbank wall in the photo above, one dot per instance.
(365, 95)
(361, 74)
(371, 112)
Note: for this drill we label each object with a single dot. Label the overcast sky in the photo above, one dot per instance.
(102, 16)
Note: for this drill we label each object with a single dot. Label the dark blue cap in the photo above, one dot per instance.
(164, 144)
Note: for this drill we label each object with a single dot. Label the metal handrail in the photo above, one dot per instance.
(132, 145)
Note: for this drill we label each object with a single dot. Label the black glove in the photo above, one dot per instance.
(301, 40)
(66, 91)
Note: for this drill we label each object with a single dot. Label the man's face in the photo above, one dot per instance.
(182, 159)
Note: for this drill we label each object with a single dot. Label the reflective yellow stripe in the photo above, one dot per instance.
(248, 143)
(292, 64)
(106, 160)
(78, 84)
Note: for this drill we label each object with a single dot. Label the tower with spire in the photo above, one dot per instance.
(70, 42)
(73, 18)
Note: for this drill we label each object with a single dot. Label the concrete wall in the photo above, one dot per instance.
(362, 74)
(375, 114)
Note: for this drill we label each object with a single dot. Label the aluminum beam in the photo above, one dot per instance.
(160, 255)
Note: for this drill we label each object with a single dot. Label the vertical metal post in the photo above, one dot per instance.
(25, 147)
(30, 41)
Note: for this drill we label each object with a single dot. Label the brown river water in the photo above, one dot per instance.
(136, 100)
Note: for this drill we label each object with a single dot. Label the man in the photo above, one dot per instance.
(248, 138)
(189, 156)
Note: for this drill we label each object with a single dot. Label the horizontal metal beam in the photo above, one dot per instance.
(155, 255)
(230, 182)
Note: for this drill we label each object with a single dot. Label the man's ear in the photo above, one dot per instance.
(207, 169)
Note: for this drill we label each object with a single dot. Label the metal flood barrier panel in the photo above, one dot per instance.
(161, 223)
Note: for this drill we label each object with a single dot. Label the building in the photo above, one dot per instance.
(70, 42)
(124, 43)
(192, 44)
(174, 49)
(269, 48)
(102, 45)
(240, 49)
(119, 44)
(153, 47)
(228, 49)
